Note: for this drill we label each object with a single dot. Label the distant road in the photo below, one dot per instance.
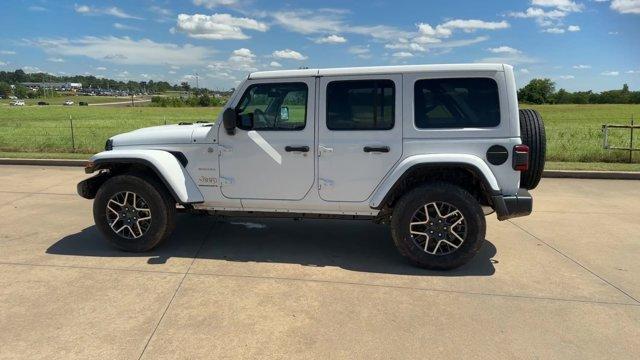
(121, 102)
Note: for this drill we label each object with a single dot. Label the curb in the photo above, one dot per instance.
(43, 162)
(559, 174)
(580, 174)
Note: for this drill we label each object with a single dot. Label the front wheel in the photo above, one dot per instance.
(133, 212)
(438, 226)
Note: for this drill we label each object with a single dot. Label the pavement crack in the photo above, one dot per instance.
(576, 262)
(476, 293)
(204, 238)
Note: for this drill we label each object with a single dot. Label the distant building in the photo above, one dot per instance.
(53, 85)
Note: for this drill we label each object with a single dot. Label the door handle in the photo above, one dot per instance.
(290, 148)
(382, 149)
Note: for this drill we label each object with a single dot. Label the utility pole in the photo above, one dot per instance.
(196, 75)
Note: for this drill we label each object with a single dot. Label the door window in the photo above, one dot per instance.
(281, 106)
(360, 105)
(456, 103)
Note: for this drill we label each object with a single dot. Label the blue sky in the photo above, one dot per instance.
(588, 44)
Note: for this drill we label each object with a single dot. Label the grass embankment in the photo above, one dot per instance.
(574, 132)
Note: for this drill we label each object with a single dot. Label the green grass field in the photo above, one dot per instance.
(574, 132)
(48, 129)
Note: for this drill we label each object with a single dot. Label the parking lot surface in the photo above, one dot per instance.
(562, 283)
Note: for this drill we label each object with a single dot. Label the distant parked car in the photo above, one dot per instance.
(83, 103)
(17, 103)
(68, 103)
(41, 103)
(13, 97)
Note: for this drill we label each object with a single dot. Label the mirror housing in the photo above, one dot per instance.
(229, 118)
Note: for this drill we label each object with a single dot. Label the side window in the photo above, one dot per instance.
(456, 103)
(360, 105)
(281, 106)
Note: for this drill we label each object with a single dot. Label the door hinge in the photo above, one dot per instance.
(326, 183)
(324, 149)
(223, 149)
(225, 181)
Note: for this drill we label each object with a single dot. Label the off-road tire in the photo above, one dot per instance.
(160, 203)
(438, 192)
(533, 135)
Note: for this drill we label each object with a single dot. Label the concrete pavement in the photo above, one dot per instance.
(562, 283)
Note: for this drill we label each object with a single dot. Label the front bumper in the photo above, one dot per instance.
(511, 206)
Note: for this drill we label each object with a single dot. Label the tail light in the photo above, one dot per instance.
(521, 158)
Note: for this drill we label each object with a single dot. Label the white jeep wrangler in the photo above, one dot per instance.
(429, 149)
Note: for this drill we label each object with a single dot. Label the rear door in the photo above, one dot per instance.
(360, 134)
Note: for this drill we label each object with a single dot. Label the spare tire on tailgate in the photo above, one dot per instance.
(532, 133)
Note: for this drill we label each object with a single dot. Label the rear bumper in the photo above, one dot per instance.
(511, 206)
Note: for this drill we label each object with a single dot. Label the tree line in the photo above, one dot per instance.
(89, 81)
(543, 91)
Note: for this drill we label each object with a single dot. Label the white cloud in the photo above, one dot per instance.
(288, 54)
(610, 73)
(7, 52)
(564, 5)
(56, 60)
(402, 54)
(124, 50)
(2, 63)
(241, 60)
(633, 72)
(554, 30)
(362, 52)
(504, 50)
(331, 39)
(473, 25)
(566, 77)
(31, 69)
(217, 26)
(111, 11)
(626, 6)
(542, 17)
(275, 64)
(121, 26)
(309, 22)
(210, 4)
(573, 28)
(101, 68)
(524, 71)
(582, 67)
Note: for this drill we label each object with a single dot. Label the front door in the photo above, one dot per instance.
(275, 158)
(360, 134)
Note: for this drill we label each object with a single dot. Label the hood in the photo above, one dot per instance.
(158, 135)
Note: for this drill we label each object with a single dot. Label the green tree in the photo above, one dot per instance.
(537, 91)
(5, 90)
(21, 92)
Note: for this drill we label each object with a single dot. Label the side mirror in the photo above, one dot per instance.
(229, 117)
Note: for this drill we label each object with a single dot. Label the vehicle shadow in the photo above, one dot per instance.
(353, 245)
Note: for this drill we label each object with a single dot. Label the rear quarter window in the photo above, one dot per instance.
(456, 103)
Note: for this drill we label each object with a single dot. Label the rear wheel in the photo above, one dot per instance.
(533, 135)
(438, 226)
(133, 213)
